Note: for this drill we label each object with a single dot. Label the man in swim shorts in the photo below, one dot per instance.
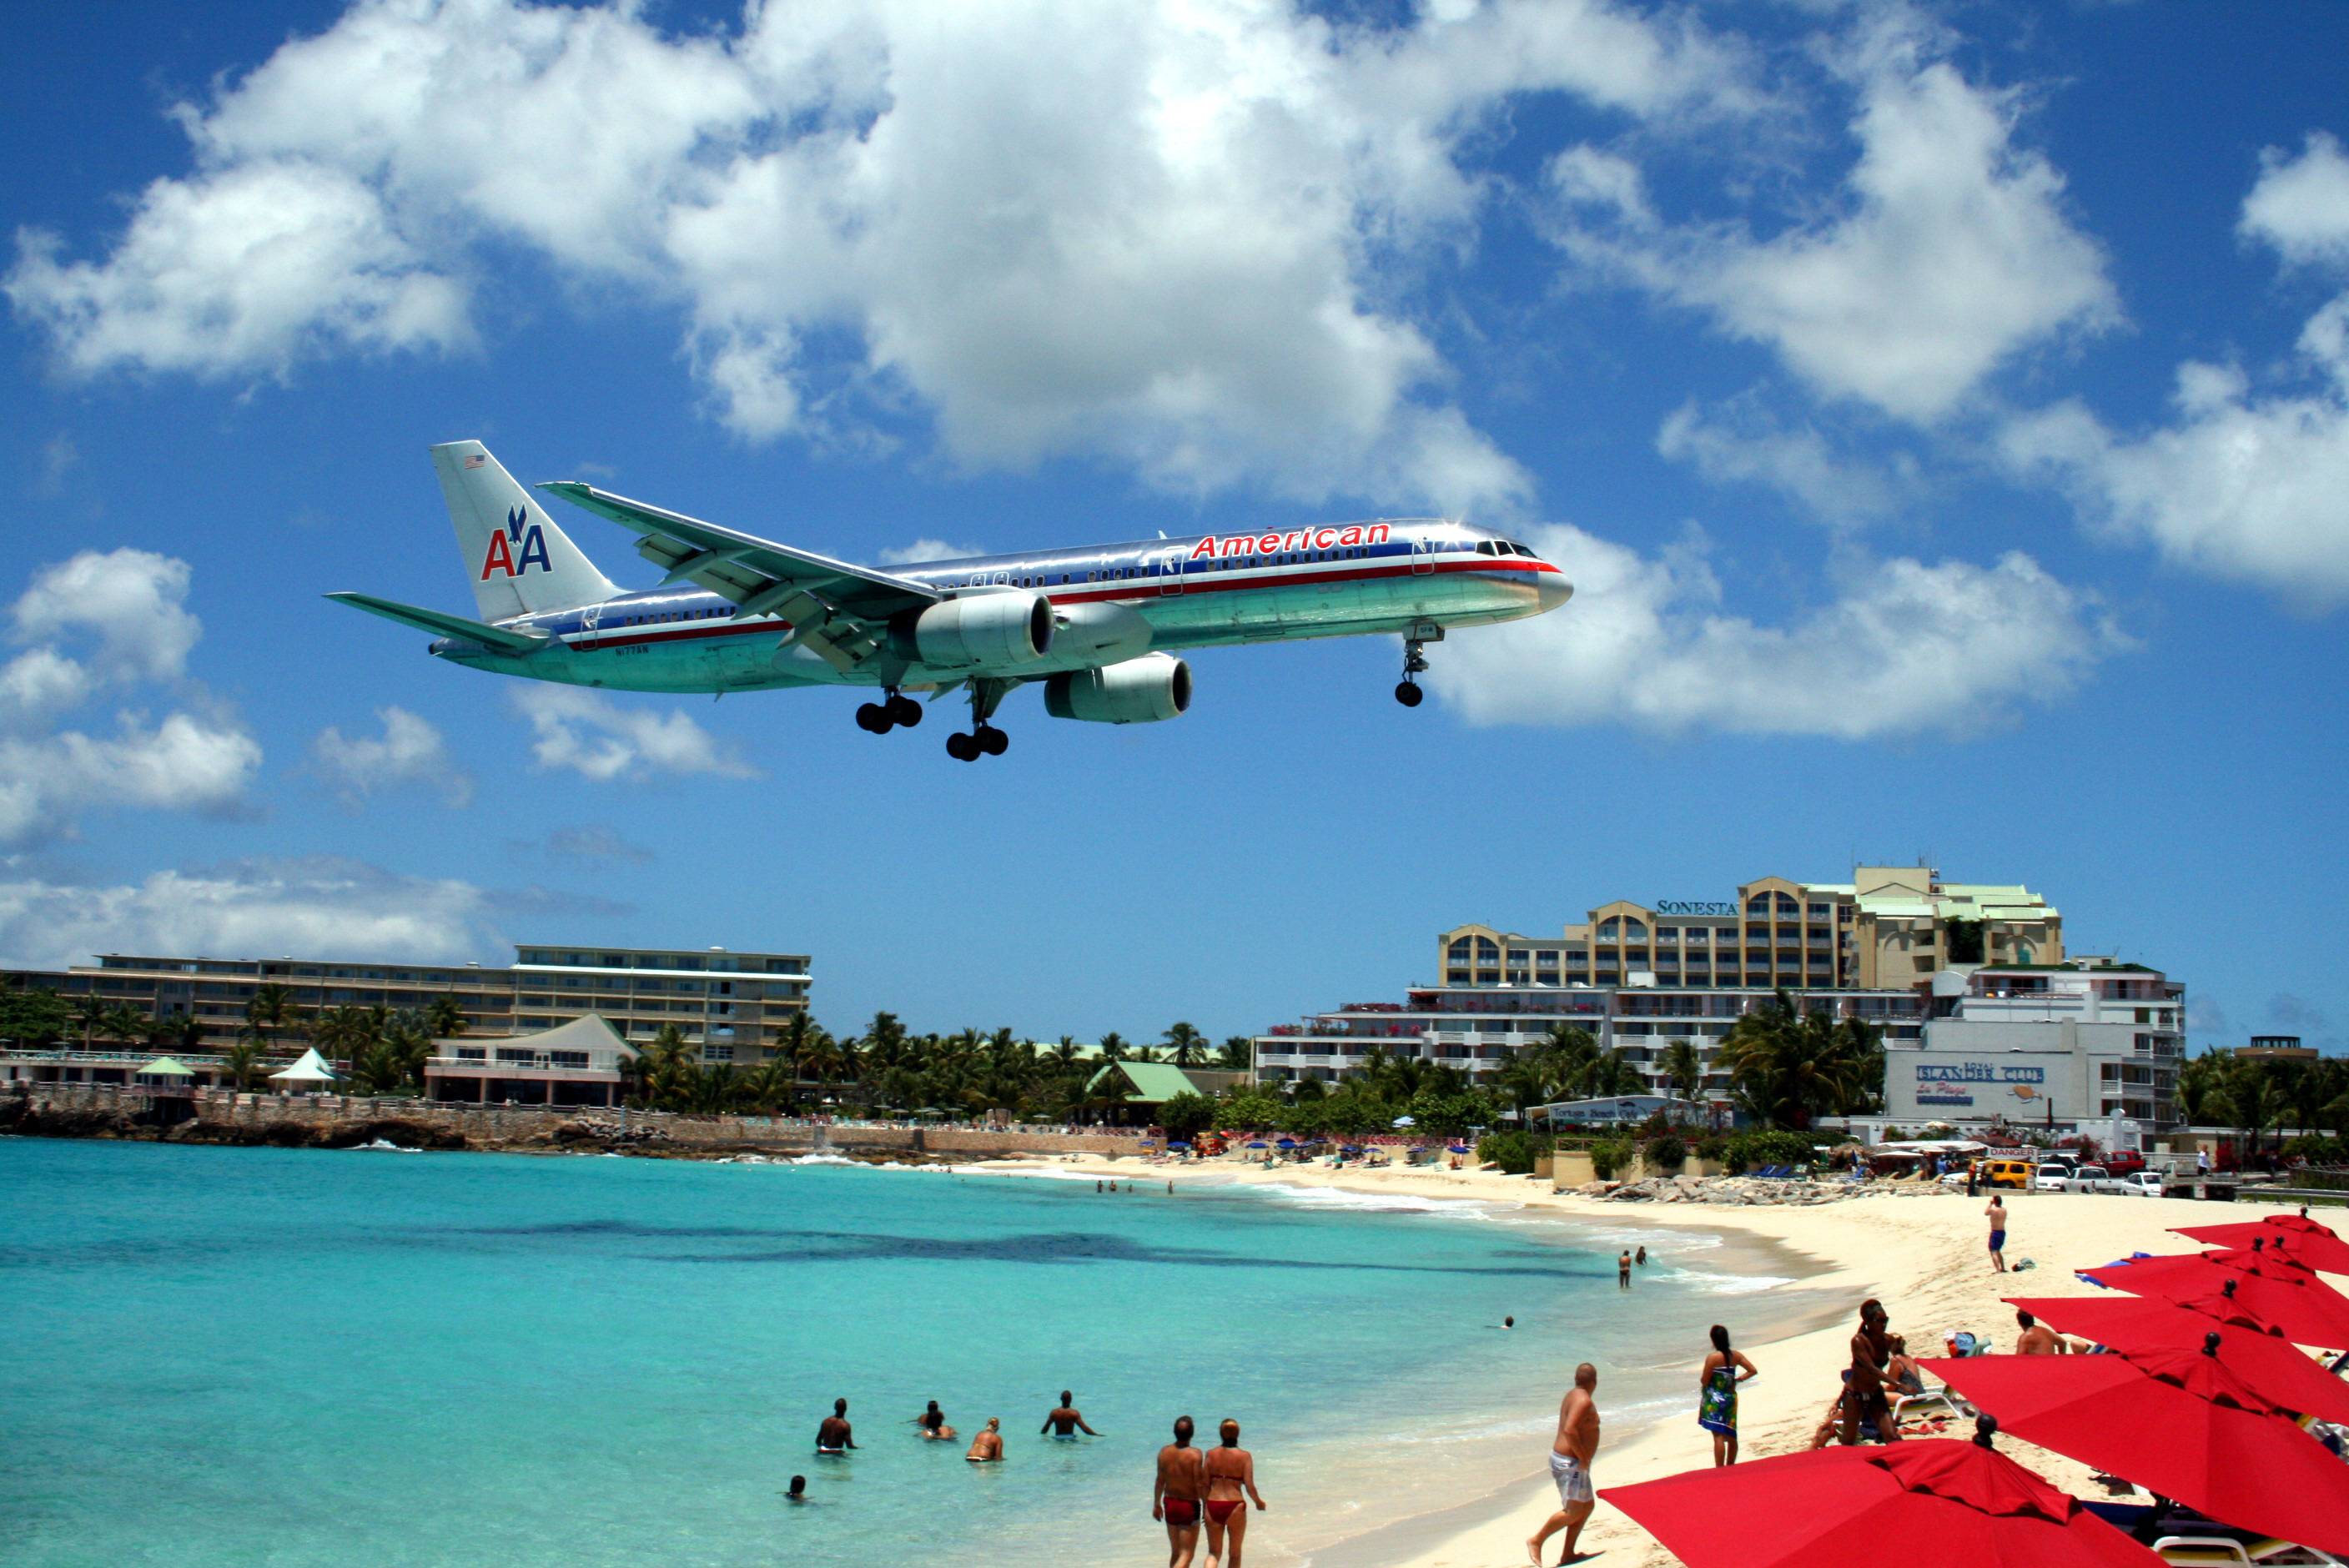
(988, 1447)
(1623, 1271)
(1231, 1470)
(1570, 1466)
(1065, 1422)
(1997, 1212)
(1176, 1494)
(831, 1433)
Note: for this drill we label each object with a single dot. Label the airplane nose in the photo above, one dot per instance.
(1551, 589)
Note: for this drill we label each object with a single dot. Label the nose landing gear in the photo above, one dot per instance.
(1414, 663)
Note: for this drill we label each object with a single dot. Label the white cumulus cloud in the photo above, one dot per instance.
(1906, 647)
(320, 907)
(928, 550)
(1175, 235)
(1949, 253)
(101, 621)
(593, 737)
(410, 753)
(2249, 480)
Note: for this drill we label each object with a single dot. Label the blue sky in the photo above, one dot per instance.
(1944, 412)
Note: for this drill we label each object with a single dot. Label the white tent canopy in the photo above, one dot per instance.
(311, 1068)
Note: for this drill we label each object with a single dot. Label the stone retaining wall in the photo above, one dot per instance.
(112, 1110)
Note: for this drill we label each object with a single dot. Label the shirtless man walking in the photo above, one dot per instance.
(1570, 1466)
(1231, 1470)
(1176, 1494)
(1065, 1422)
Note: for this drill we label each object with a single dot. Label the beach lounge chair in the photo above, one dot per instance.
(2200, 1551)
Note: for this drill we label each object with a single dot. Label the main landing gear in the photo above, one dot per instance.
(881, 718)
(1413, 662)
(985, 741)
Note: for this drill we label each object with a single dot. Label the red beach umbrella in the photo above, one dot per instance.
(2303, 1240)
(2132, 1324)
(2179, 1424)
(1941, 1500)
(2295, 1301)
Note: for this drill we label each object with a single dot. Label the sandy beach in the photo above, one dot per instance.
(1922, 1255)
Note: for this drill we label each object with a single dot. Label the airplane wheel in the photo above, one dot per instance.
(904, 710)
(962, 747)
(873, 716)
(1409, 694)
(993, 741)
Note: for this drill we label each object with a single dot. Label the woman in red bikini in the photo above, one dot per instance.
(1231, 1469)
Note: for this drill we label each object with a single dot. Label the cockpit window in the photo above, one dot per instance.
(1485, 547)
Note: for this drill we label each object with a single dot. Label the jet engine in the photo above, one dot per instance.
(1138, 691)
(997, 629)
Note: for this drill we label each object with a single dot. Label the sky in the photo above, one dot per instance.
(1942, 411)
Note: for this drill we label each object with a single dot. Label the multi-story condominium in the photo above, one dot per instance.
(1889, 927)
(733, 1005)
(1477, 1029)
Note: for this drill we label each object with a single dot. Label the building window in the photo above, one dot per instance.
(717, 1053)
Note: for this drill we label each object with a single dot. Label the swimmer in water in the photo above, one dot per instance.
(988, 1447)
(832, 1434)
(1066, 1422)
(799, 1489)
(933, 1423)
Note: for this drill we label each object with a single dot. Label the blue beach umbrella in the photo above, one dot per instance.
(1288, 1143)
(1258, 1144)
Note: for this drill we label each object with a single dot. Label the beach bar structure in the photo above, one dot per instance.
(577, 1063)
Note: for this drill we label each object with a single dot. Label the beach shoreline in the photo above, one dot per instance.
(1922, 1254)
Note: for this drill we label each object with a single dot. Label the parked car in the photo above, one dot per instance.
(2096, 1178)
(2144, 1183)
(2010, 1173)
(2052, 1176)
(2124, 1162)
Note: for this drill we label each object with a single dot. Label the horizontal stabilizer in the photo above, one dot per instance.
(498, 639)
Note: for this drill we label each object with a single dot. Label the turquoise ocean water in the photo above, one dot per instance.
(297, 1358)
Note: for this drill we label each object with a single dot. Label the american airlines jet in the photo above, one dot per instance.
(1095, 626)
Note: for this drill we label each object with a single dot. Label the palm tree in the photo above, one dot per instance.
(1787, 1067)
(89, 1016)
(1185, 1046)
(271, 1008)
(1683, 1070)
(241, 1063)
(1112, 1046)
(122, 1023)
(344, 1032)
(1238, 1052)
(771, 1088)
(444, 1018)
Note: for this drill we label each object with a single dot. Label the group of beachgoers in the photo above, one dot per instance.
(1195, 1488)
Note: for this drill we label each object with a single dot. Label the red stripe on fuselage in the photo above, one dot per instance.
(1137, 588)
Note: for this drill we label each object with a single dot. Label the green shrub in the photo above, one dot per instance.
(1186, 1115)
(1608, 1156)
(1512, 1151)
(2316, 1149)
(1748, 1150)
(1248, 1111)
(1711, 1146)
(1665, 1152)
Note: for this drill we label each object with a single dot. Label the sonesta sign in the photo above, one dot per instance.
(1354, 534)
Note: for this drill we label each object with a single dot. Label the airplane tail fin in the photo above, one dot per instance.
(519, 561)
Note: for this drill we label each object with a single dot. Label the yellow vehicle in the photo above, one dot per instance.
(2014, 1173)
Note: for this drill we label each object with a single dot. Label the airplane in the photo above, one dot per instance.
(1094, 625)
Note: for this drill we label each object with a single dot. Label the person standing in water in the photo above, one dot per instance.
(1231, 1470)
(1716, 1408)
(933, 1423)
(1066, 1421)
(1175, 1495)
(988, 1447)
(1570, 1466)
(1623, 1271)
(832, 1434)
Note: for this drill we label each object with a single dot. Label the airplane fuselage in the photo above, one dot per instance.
(1111, 601)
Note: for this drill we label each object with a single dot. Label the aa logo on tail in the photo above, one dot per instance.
(519, 530)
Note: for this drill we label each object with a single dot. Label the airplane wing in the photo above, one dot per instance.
(499, 639)
(838, 610)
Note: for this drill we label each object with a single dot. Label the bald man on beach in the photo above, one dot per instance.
(1570, 1466)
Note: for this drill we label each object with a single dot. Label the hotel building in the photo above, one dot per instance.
(733, 1007)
